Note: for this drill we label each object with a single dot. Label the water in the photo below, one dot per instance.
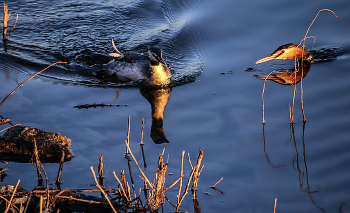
(218, 113)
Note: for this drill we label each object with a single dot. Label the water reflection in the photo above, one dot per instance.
(303, 174)
(299, 164)
(158, 98)
(288, 76)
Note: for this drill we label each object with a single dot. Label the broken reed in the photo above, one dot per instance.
(4, 31)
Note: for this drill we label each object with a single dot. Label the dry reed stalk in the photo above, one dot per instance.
(124, 184)
(6, 19)
(128, 138)
(102, 191)
(121, 185)
(196, 174)
(143, 174)
(213, 186)
(122, 174)
(15, 23)
(181, 173)
(37, 161)
(303, 45)
(19, 86)
(169, 187)
(100, 170)
(132, 179)
(185, 192)
(302, 91)
(41, 204)
(189, 160)
(274, 208)
(128, 158)
(58, 182)
(141, 144)
(13, 194)
(308, 29)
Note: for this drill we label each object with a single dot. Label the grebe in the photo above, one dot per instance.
(289, 76)
(288, 51)
(148, 69)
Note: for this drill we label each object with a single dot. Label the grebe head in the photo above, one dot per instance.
(155, 56)
(288, 51)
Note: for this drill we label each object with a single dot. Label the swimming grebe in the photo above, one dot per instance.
(288, 51)
(289, 76)
(148, 69)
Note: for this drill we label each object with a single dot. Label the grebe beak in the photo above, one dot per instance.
(268, 58)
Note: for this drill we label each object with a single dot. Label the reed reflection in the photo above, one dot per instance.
(158, 98)
(299, 163)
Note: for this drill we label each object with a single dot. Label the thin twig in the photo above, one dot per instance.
(303, 42)
(217, 182)
(10, 127)
(189, 160)
(19, 86)
(315, 19)
(15, 23)
(169, 187)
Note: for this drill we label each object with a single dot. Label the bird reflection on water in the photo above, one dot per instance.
(158, 98)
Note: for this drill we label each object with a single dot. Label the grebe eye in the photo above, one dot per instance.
(282, 51)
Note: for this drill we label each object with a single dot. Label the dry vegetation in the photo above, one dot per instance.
(122, 199)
